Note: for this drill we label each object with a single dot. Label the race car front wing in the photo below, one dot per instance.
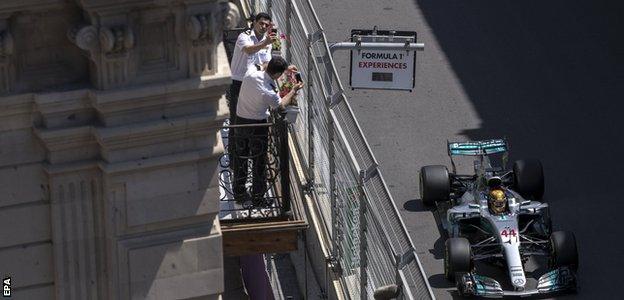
(558, 280)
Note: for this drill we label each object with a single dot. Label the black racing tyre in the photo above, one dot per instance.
(563, 252)
(435, 184)
(457, 257)
(529, 178)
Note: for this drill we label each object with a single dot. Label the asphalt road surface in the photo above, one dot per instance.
(548, 75)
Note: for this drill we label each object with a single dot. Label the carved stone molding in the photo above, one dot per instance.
(7, 45)
(105, 40)
(8, 7)
(205, 30)
(199, 28)
(86, 37)
(116, 40)
(109, 48)
(7, 68)
(232, 15)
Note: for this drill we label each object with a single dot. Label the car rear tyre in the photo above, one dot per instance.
(529, 178)
(457, 257)
(563, 252)
(435, 184)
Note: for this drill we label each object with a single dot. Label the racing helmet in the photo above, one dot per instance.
(498, 201)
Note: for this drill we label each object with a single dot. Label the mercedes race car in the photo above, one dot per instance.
(496, 216)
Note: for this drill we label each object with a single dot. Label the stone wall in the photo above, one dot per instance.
(109, 111)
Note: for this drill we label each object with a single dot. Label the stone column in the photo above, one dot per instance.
(75, 195)
(117, 127)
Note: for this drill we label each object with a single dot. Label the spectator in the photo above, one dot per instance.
(253, 47)
(257, 95)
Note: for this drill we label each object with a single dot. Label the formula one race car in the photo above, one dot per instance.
(494, 217)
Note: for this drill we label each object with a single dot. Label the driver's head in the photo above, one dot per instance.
(498, 201)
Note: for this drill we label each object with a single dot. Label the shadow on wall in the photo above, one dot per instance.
(550, 77)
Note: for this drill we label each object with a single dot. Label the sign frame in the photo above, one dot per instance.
(384, 36)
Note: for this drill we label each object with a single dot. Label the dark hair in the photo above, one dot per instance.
(276, 65)
(262, 15)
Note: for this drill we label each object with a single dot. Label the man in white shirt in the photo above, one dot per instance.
(257, 96)
(252, 48)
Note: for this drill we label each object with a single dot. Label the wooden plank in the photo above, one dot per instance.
(254, 242)
(292, 225)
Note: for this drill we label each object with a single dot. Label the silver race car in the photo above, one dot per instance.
(495, 216)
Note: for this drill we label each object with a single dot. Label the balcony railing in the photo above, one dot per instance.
(253, 176)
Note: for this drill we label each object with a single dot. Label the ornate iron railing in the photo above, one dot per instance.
(253, 176)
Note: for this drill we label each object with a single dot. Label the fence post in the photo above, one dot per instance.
(363, 244)
(332, 179)
(310, 107)
(284, 162)
(288, 30)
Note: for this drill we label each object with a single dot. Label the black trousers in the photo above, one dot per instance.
(251, 144)
(233, 99)
(232, 102)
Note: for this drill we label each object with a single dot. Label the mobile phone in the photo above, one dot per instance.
(274, 30)
(298, 77)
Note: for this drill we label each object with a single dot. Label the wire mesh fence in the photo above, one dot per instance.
(369, 240)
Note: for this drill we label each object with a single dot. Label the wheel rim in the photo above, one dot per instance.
(553, 254)
(446, 263)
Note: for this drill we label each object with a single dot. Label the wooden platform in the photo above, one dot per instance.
(262, 237)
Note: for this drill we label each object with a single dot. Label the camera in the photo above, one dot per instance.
(298, 77)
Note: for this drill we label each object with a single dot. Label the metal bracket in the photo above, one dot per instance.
(406, 258)
(334, 265)
(315, 37)
(335, 99)
(308, 187)
(359, 45)
(369, 173)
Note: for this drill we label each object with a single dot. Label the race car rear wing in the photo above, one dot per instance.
(475, 148)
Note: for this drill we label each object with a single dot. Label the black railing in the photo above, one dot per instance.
(254, 175)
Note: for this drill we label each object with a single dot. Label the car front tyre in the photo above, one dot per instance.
(457, 257)
(563, 251)
(435, 184)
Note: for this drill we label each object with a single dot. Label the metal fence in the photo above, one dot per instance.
(369, 240)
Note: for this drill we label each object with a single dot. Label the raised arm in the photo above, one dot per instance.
(251, 49)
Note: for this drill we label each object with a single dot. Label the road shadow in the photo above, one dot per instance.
(438, 281)
(549, 76)
(415, 205)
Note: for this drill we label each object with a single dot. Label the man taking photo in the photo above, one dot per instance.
(252, 48)
(257, 96)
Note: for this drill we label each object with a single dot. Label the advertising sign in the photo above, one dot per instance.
(383, 69)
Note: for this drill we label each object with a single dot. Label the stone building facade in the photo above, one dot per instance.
(109, 114)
